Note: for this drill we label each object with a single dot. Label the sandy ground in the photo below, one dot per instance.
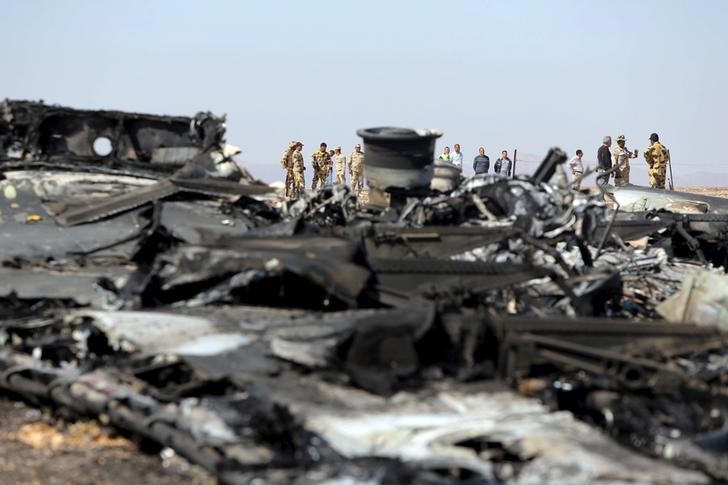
(712, 191)
(36, 448)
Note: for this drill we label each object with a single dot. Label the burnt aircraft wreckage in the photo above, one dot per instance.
(504, 331)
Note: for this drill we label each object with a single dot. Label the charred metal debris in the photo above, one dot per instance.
(158, 286)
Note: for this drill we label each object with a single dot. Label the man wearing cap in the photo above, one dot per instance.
(340, 161)
(356, 169)
(604, 161)
(620, 159)
(321, 163)
(299, 181)
(656, 157)
(287, 165)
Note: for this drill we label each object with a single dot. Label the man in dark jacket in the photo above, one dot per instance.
(504, 164)
(481, 163)
(604, 161)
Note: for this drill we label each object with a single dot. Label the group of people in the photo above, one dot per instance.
(323, 163)
(610, 163)
(615, 162)
(481, 162)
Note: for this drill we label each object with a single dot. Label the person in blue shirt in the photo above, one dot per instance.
(481, 163)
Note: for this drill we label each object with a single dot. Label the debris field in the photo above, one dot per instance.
(498, 330)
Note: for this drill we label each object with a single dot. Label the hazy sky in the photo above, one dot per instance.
(502, 74)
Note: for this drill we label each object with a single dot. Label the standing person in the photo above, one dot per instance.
(340, 161)
(504, 164)
(356, 169)
(299, 181)
(445, 155)
(457, 157)
(481, 163)
(287, 165)
(656, 157)
(330, 175)
(620, 159)
(577, 168)
(320, 161)
(604, 161)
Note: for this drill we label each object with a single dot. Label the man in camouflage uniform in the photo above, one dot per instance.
(620, 158)
(287, 165)
(321, 163)
(656, 156)
(299, 182)
(356, 169)
(340, 160)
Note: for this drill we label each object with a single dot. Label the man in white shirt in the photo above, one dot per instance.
(457, 157)
(577, 168)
